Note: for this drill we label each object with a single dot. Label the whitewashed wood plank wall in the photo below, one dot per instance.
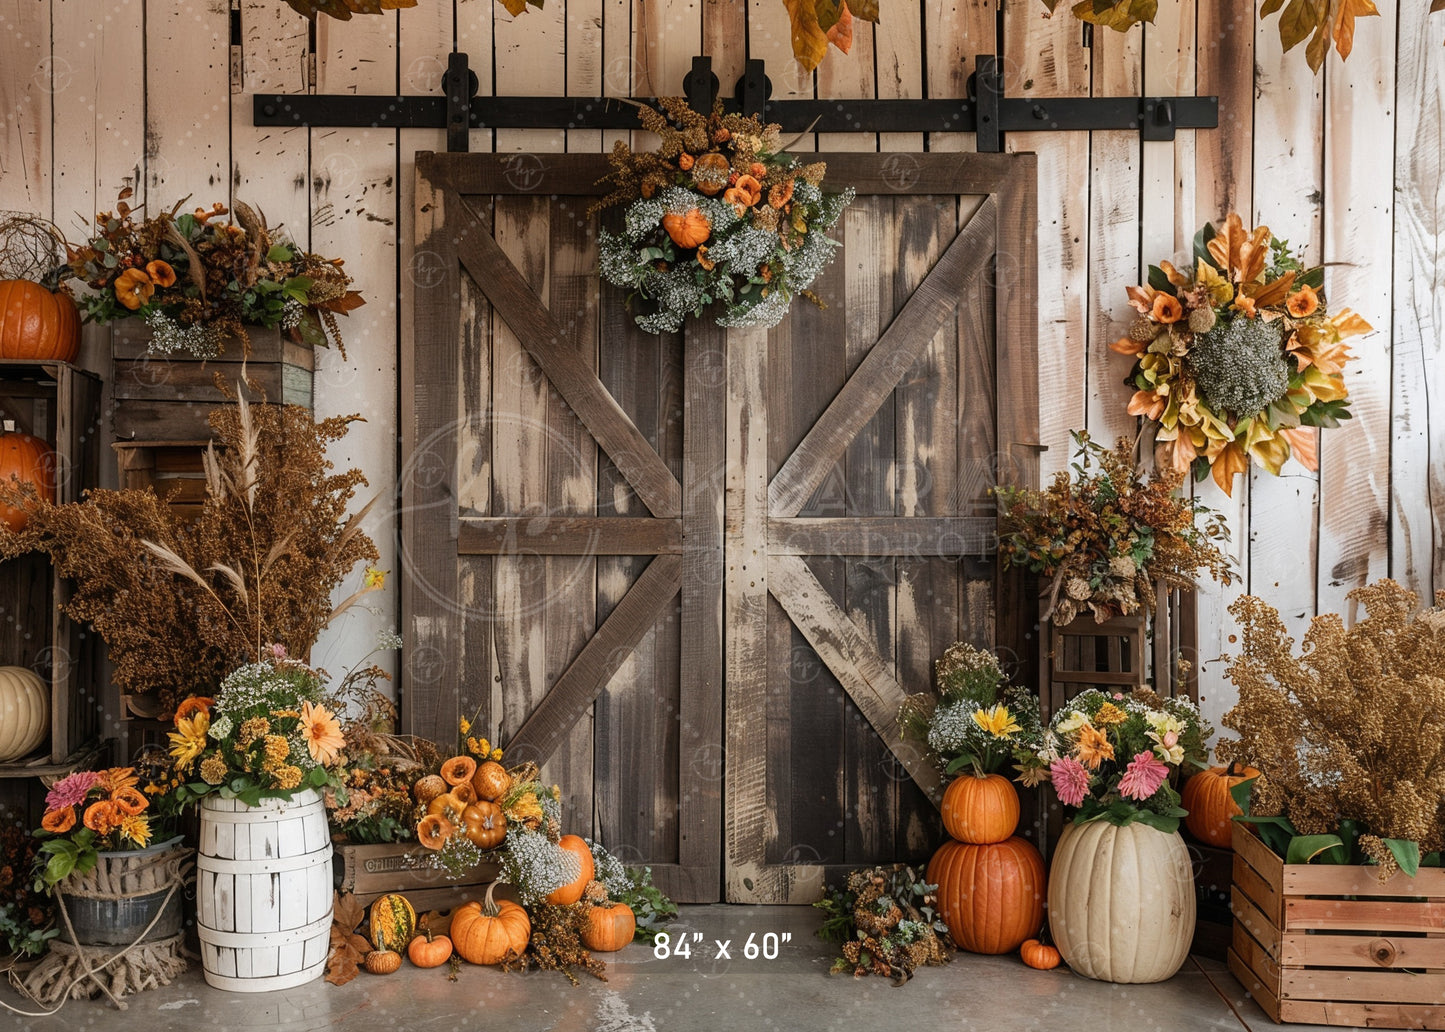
(156, 96)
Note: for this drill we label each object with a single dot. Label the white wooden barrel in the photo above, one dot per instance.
(263, 892)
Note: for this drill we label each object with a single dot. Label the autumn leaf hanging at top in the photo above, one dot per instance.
(817, 23)
(1321, 21)
(342, 10)
(1115, 14)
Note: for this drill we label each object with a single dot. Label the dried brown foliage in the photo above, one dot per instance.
(1353, 727)
(181, 602)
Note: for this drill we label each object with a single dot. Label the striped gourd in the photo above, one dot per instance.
(393, 923)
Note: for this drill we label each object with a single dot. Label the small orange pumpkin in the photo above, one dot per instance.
(980, 810)
(1040, 955)
(37, 325)
(688, 229)
(458, 770)
(710, 172)
(572, 891)
(1211, 808)
(491, 781)
(28, 460)
(433, 830)
(610, 927)
(486, 932)
(486, 824)
(428, 950)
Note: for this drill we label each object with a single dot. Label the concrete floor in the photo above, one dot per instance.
(792, 993)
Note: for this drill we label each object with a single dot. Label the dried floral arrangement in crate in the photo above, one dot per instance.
(1349, 735)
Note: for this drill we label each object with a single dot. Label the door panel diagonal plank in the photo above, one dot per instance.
(931, 305)
(852, 659)
(549, 342)
(588, 674)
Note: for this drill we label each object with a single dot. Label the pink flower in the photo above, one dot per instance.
(275, 651)
(1142, 777)
(1071, 780)
(70, 790)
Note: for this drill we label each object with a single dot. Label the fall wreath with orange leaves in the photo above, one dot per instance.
(1237, 359)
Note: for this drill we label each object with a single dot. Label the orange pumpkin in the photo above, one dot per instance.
(446, 805)
(383, 962)
(572, 891)
(458, 770)
(610, 927)
(428, 950)
(486, 932)
(688, 229)
(710, 172)
(37, 325)
(485, 823)
(433, 830)
(28, 460)
(464, 793)
(1211, 807)
(980, 810)
(1040, 955)
(428, 788)
(491, 781)
(990, 895)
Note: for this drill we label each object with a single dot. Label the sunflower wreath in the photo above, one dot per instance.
(1237, 359)
(717, 214)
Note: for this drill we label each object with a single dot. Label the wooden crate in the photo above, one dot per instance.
(159, 398)
(1332, 945)
(61, 404)
(372, 871)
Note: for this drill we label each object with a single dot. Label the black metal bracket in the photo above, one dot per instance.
(986, 112)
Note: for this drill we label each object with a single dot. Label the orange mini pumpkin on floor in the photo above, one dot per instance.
(1040, 955)
(486, 932)
(428, 950)
(610, 926)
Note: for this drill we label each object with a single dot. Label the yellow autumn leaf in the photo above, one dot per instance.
(810, 42)
(1349, 323)
(1346, 11)
(1221, 291)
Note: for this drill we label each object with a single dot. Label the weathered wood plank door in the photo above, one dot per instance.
(694, 574)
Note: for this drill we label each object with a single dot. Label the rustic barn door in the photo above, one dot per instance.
(694, 574)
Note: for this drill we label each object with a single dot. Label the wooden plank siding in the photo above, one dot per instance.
(1346, 163)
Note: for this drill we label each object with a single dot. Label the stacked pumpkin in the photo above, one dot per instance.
(990, 881)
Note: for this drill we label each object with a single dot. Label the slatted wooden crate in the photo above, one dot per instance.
(1332, 945)
(159, 398)
(372, 870)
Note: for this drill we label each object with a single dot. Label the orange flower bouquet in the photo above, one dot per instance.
(1237, 359)
(94, 811)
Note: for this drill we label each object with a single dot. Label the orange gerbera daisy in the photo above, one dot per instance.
(1093, 747)
(321, 732)
(1302, 302)
(59, 821)
(133, 288)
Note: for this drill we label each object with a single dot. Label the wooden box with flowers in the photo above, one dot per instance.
(1339, 893)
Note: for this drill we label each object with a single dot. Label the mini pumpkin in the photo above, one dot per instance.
(433, 830)
(688, 229)
(383, 962)
(491, 781)
(710, 172)
(428, 951)
(610, 927)
(393, 922)
(1040, 955)
(485, 823)
(428, 788)
(446, 805)
(458, 769)
(1211, 808)
(486, 932)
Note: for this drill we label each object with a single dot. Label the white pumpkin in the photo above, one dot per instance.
(1121, 901)
(24, 712)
